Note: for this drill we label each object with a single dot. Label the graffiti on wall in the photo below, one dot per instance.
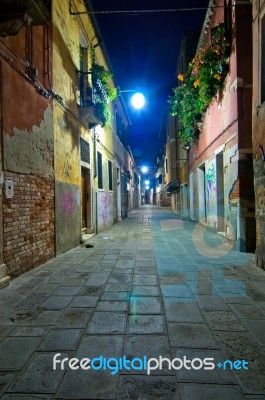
(68, 202)
(210, 180)
(105, 202)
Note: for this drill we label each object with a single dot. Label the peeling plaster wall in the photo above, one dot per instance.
(31, 152)
(27, 129)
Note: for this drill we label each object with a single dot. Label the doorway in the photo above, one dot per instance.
(220, 191)
(202, 195)
(86, 199)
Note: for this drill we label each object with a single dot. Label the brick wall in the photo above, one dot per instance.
(28, 223)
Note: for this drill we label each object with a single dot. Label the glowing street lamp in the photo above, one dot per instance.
(147, 182)
(144, 169)
(138, 100)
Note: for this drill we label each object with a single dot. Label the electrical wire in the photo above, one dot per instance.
(11, 53)
(31, 80)
(168, 10)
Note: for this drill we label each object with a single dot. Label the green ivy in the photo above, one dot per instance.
(101, 107)
(201, 83)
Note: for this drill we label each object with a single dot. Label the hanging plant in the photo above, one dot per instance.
(103, 91)
(200, 85)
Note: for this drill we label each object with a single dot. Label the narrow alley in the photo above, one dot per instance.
(153, 286)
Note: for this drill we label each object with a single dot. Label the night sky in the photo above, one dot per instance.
(143, 51)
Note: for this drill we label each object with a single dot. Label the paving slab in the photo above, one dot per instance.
(15, 352)
(139, 346)
(94, 346)
(151, 388)
(107, 322)
(223, 320)
(60, 340)
(118, 306)
(142, 324)
(182, 310)
(39, 376)
(242, 346)
(84, 301)
(191, 335)
(145, 290)
(74, 318)
(91, 385)
(203, 392)
(145, 305)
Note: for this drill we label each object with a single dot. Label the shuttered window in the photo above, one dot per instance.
(85, 151)
(100, 172)
(110, 175)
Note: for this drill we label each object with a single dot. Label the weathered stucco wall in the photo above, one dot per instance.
(31, 151)
(258, 137)
(68, 216)
(67, 131)
(29, 215)
(27, 130)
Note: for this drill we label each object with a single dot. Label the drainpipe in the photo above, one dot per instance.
(4, 278)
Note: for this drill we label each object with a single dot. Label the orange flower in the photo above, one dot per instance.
(196, 83)
(181, 77)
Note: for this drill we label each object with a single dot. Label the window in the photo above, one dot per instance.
(123, 184)
(100, 174)
(262, 69)
(118, 176)
(84, 151)
(85, 95)
(166, 166)
(136, 179)
(110, 175)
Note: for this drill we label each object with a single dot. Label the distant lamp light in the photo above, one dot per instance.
(147, 182)
(147, 187)
(138, 100)
(144, 169)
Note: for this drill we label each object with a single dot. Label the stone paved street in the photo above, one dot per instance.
(153, 285)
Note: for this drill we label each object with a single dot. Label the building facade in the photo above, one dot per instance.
(220, 161)
(258, 127)
(26, 136)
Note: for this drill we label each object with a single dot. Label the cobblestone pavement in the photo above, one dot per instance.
(153, 285)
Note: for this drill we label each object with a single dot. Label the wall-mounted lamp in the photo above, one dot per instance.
(262, 152)
(137, 99)
(186, 146)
